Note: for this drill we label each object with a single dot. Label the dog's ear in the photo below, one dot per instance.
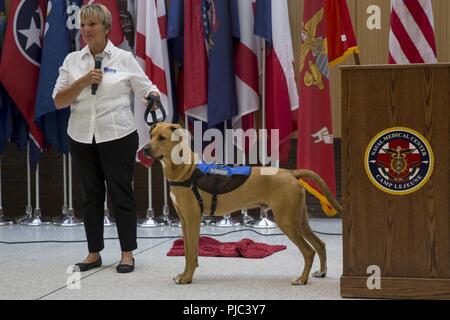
(152, 128)
(175, 127)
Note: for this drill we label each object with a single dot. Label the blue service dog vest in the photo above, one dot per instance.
(214, 179)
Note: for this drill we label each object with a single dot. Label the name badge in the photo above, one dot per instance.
(109, 70)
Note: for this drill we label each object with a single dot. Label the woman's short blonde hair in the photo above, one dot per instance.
(97, 10)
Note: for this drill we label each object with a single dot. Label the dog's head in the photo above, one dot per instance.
(162, 140)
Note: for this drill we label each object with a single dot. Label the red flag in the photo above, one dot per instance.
(21, 56)
(315, 135)
(340, 37)
(195, 68)
(116, 36)
(411, 39)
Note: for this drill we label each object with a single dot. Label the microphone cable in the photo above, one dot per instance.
(160, 237)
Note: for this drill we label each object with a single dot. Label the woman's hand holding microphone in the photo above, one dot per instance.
(94, 76)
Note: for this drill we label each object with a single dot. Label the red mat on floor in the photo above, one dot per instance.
(246, 248)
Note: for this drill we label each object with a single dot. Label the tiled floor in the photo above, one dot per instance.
(42, 271)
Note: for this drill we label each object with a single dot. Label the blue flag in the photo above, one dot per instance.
(175, 18)
(5, 119)
(175, 40)
(263, 20)
(175, 43)
(58, 42)
(13, 126)
(175, 27)
(220, 19)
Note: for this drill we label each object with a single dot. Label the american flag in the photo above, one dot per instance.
(411, 38)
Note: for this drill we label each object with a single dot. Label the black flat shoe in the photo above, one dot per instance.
(88, 266)
(125, 268)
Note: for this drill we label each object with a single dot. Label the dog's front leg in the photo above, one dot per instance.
(183, 228)
(191, 233)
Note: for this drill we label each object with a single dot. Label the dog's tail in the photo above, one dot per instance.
(304, 173)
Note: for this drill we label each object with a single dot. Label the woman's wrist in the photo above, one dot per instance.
(81, 83)
(153, 93)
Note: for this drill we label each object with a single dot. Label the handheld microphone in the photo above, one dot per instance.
(98, 65)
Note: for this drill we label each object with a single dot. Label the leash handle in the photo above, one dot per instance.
(154, 104)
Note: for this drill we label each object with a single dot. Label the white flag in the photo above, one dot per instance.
(152, 55)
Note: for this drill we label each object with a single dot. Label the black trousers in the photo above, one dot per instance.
(112, 162)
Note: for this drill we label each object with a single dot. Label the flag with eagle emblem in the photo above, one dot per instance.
(327, 37)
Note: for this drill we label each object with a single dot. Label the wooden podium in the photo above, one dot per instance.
(406, 236)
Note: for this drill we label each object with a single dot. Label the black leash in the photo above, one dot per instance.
(154, 104)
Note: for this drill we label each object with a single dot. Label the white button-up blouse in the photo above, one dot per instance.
(106, 115)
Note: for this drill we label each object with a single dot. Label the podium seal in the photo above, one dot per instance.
(399, 161)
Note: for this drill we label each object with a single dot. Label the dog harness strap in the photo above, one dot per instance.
(198, 197)
(213, 204)
(197, 174)
(186, 184)
(192, 184)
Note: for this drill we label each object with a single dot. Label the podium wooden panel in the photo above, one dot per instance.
(407, 236)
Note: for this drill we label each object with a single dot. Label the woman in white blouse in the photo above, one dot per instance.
(102, 132)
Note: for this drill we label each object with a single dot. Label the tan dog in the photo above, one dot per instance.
(280, 192)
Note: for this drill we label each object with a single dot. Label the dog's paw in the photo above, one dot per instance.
(182, 279)
(300, 281)
(319, 274)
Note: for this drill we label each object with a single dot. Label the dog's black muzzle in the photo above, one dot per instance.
(147, 151)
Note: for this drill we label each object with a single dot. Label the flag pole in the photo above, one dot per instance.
(35, 216)
(246, 219)
(263, 222)
(37, 219)
(166, 210)
(150, 211)
(149, 221)
(37, 209)
(70, 212)
(62, 219)
(65, 184)
(357, 60)
(227, 221)
(4, 221)
(67, 219)
(28, 208)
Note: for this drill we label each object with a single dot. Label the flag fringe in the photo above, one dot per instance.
(326, 206)
(348, 52)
